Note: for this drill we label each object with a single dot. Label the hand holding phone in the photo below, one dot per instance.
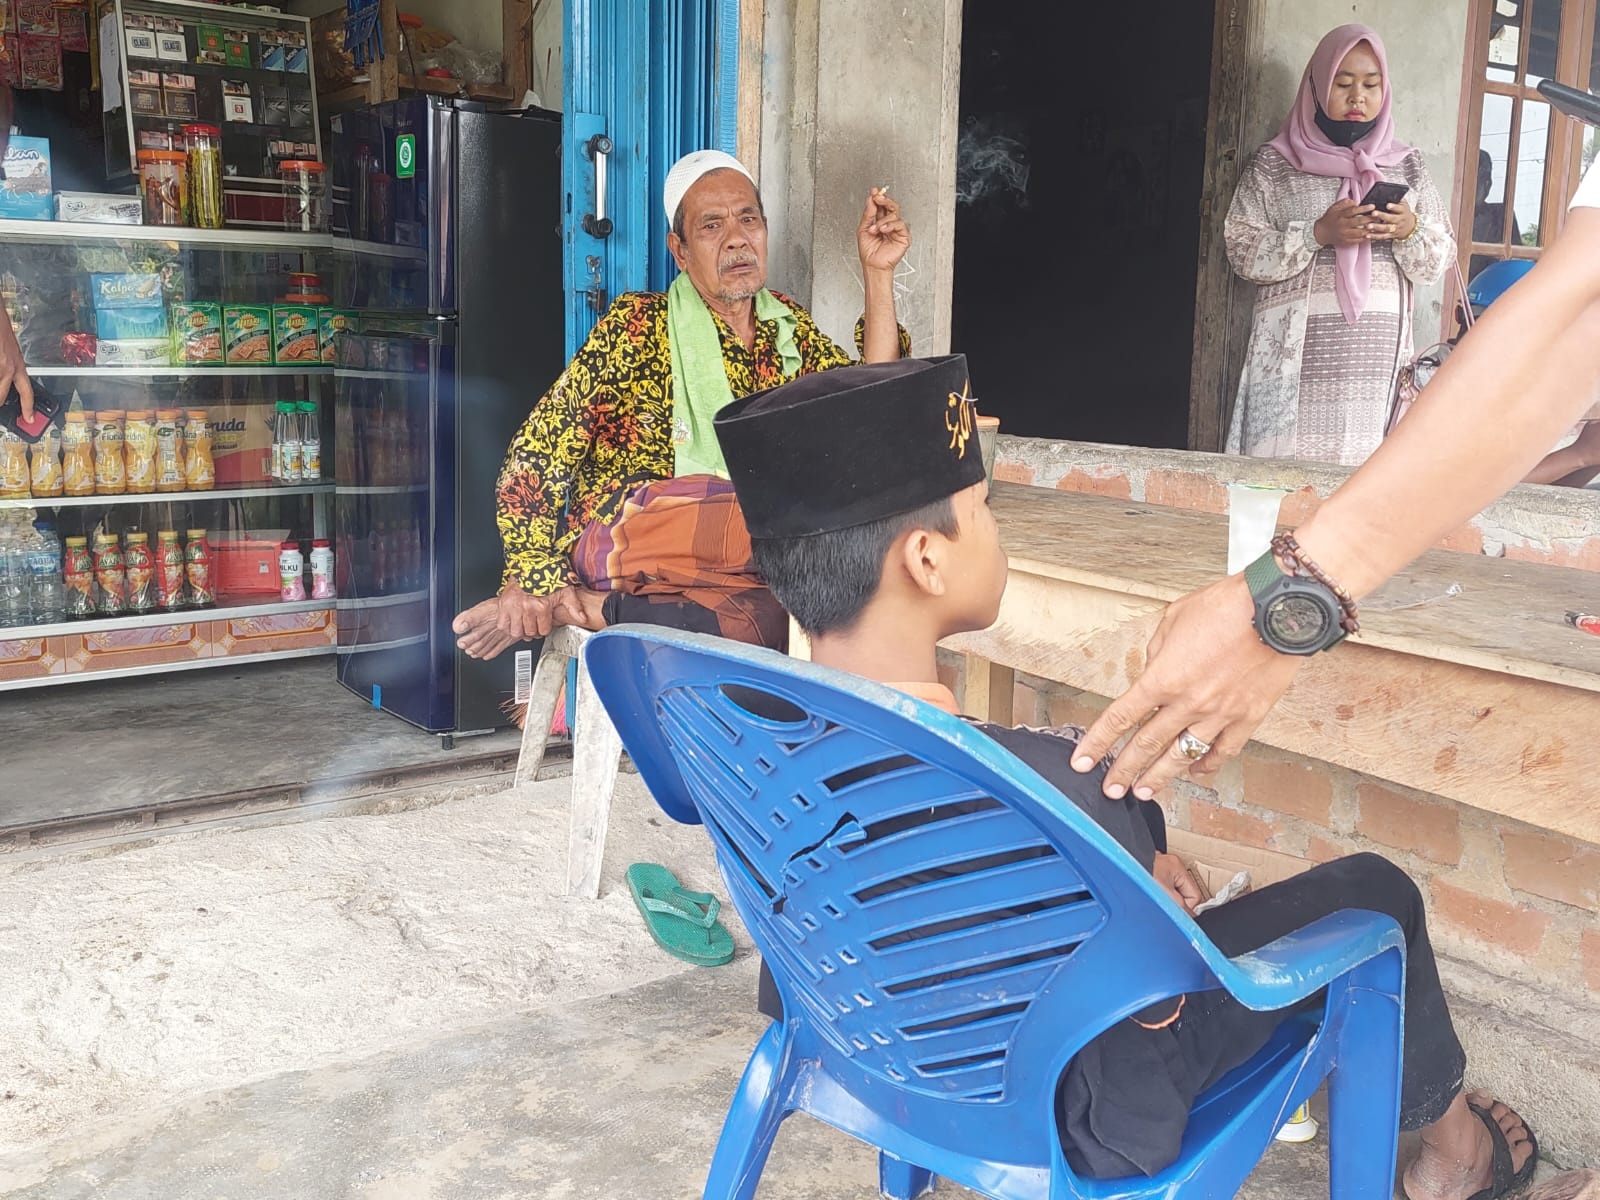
(1383, 193)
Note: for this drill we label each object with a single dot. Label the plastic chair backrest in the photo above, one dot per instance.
(936, 915)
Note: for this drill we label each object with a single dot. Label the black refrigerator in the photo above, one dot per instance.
(447, 235)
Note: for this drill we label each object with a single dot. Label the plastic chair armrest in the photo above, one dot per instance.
(1286, 971)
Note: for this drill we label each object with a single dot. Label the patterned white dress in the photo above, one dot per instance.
(1315, 386)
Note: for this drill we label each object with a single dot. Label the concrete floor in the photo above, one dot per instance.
(618, 1098)
(172, 738)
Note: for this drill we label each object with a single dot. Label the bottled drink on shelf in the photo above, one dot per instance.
(77, 455)
(48, 598)
(46, 463)
(110, 460)
(169, 451)
(322, 586)
(15, 605)
(14, 480)
(197, 567)
(110, 576)
(288, 464)
(200, 471)
(139, 439)
(310, 442)
(291, 573)
(77, 572)
(170, 571)
(141, 569)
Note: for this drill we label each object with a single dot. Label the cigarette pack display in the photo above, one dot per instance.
(236, 103)
(141, 352)
(143, 323)
(197, 334)
(25, 192)
(170, 46)
(273, 51)
(141, 39)
(274, 106)
(128, 289)
(211, 47)
(300, 112)
(236, 48)
(247, 333)
(178, 95)
(297, 61)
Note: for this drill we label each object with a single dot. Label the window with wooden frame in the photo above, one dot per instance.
(1523, 161)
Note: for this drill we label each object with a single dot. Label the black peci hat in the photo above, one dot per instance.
(840, 448)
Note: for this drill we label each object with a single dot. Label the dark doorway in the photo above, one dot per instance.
(1078, 219)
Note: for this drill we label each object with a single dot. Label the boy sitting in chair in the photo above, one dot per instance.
(864, 493)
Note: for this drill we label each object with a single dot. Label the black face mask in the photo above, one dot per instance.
(1343, 133)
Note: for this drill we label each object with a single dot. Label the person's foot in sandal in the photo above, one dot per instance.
(1479, 1150)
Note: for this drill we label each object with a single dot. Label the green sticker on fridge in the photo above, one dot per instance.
(405, 156)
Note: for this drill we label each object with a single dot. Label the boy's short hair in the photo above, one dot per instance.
(825, 581)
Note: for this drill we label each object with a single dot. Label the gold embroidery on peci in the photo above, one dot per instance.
(958, 420)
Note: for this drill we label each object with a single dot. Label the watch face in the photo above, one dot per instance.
(1298, 622)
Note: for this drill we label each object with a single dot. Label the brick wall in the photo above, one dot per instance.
(1511, 898)
(1535, 524)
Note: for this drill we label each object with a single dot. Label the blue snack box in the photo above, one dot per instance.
(133, 323)
(26, 191)
(130, 289)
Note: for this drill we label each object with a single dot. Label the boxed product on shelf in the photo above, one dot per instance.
(131, 323)
(25, 192)
(98, 208)
(236, 46)
(297, 59)
(169, 40)
(243, 566)
(133, 352)
(294, 334)
(125, 289)
(212, 48)
(275, 106)
(247, 333)
(241, 443)
(300, 112)
(236, 103)
(140, 34)
(178, 97)
(144, 93)
(274, 51)
(197, 334)
(331, 322)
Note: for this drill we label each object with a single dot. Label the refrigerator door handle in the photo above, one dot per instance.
(597, 224)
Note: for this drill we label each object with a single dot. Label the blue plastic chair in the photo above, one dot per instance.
(934, 1020)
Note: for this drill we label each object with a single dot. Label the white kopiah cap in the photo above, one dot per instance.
(690, 169)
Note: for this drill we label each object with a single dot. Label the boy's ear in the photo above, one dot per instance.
(919, 555)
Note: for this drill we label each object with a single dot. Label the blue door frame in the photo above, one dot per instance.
(654, 79)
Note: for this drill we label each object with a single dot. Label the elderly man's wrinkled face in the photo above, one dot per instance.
(723, 247)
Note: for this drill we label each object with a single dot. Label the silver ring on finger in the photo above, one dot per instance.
(1191, 747)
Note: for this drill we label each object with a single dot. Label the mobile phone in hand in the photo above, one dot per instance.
(1383, 193)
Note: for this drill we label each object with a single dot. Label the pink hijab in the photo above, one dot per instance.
(1308, 150)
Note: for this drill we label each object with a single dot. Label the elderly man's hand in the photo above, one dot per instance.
(12, 369)
(882, 237)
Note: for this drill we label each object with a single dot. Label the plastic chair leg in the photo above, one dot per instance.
(1364, 1089)
(758, 1108)
(900, 1180)
(596, 755)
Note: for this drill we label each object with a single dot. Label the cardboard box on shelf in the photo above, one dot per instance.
(241, 442)
(197, 334)
(25, 192)
(99, 208)
(247, 334)
(294, 334)
(125, 289)
(132, 323)
(133, 352)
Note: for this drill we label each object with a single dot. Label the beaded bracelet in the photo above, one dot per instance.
(1288, 549)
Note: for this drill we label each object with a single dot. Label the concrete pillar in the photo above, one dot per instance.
(879, 107)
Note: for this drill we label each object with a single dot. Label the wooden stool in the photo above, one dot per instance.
(596, 754)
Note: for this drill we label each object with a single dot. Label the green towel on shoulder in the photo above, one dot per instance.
(700, 386)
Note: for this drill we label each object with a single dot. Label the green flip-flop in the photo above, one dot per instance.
(683, 923)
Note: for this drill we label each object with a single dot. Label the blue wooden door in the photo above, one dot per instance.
(645, 81)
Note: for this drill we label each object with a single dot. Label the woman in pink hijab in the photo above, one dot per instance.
(1336, 278)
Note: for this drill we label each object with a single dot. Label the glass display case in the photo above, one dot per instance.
(213, 351)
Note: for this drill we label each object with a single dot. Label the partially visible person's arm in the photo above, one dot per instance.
(882, 240)
(12, 368)
(1425, 255)
(1521, 379)
(1582, 455)
(1259, 251)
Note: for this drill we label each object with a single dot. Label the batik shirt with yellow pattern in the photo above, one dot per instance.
(605, 427)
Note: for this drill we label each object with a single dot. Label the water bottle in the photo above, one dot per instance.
(310, 442)
(49, 595)
(15, 605)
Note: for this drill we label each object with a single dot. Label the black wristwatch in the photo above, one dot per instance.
(1294, 615)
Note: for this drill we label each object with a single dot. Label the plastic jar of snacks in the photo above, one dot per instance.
(203, 146)
(305, 195)
(163, 181)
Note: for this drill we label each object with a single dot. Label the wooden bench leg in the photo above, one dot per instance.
(548, 678)
(988, 691)
(596, 755)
